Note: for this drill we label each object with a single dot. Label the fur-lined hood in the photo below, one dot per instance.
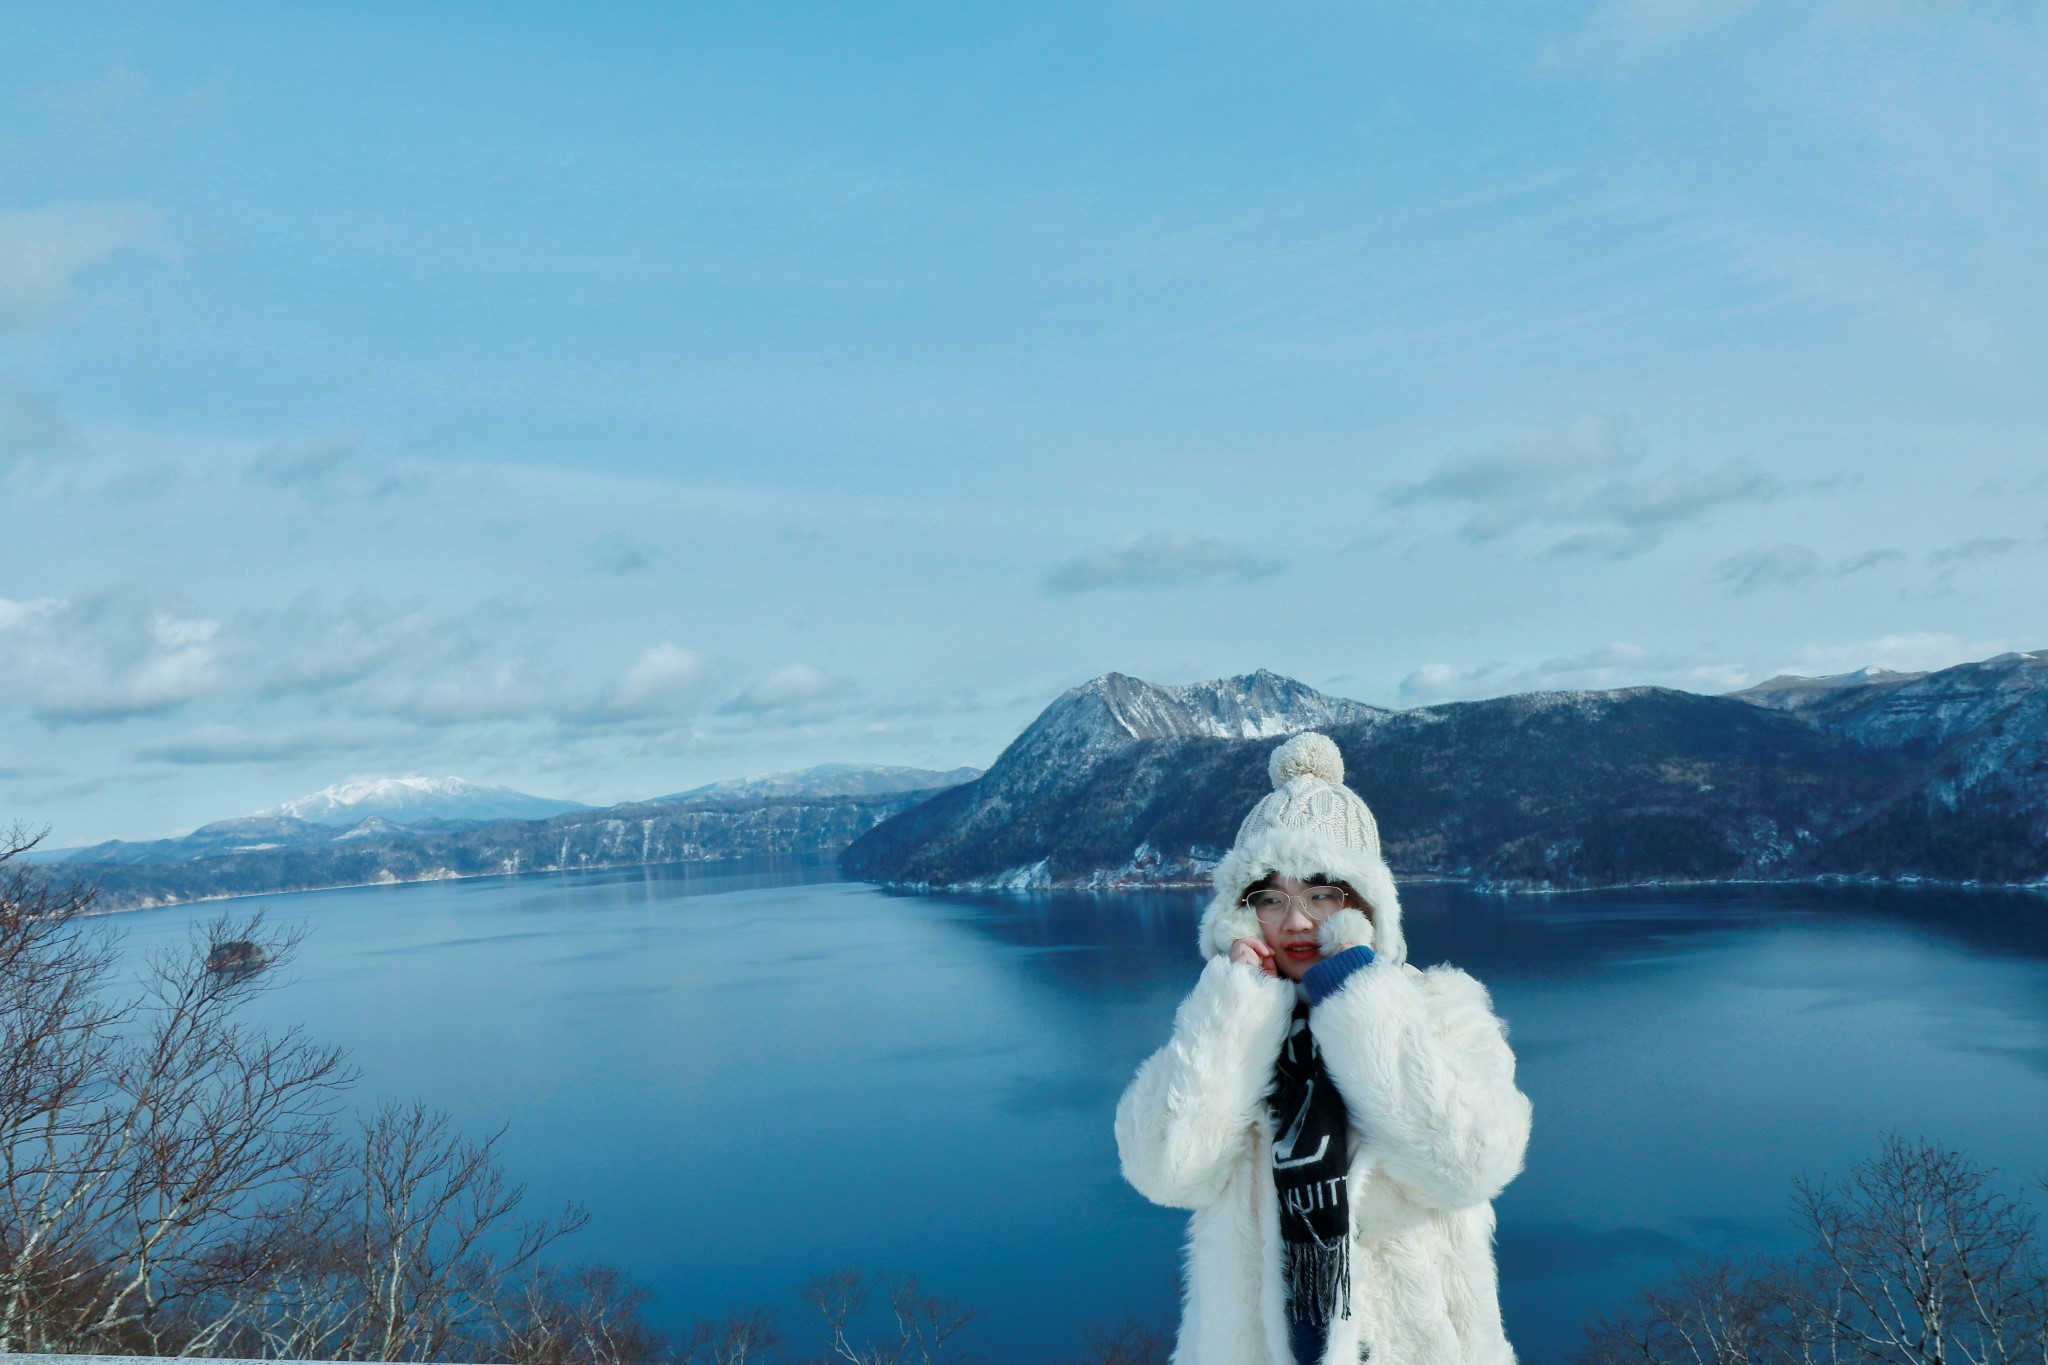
(1311, 824)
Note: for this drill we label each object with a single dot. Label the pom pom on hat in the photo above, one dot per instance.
(1306, 755)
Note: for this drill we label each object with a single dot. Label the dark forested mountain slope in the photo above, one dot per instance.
(1977, 805)
(1895, 775)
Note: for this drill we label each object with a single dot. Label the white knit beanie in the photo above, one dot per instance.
(1311, 824)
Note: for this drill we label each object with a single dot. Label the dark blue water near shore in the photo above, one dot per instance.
(754, 1075)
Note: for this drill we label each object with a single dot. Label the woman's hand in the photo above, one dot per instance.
(1345, 929)
(1254, 953)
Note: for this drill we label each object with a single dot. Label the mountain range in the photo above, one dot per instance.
(828, 779)
(421, 829)
(1940, 775)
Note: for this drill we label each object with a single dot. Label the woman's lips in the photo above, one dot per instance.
(1299, 951)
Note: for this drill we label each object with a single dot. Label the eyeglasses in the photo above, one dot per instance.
(1317, 902)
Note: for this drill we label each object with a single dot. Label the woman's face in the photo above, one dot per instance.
(1293, 937)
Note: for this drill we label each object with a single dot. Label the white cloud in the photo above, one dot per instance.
(396, 660)
(111, 656)
(42, 252)
(1574, 483)
(1161, 559)
(798, 690)
(666, 681)
(313, 646)
(458, 691)
(1607, 666)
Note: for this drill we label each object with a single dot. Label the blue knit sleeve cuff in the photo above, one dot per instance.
(1322, 980)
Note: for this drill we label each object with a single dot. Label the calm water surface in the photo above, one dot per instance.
(753, 1075)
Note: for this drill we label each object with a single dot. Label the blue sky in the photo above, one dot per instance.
(610, 398)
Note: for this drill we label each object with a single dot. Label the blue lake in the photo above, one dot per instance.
(751, 1075)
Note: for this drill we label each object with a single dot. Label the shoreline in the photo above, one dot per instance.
(1481, 885)
(1012, 885)
(443, 875)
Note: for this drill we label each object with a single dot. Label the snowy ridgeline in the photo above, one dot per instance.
(1939, 776)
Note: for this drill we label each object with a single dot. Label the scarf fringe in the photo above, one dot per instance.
(1318, 1279)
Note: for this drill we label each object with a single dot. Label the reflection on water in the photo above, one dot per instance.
(755, 1074)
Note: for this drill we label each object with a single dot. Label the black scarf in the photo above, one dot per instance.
(1311, 1161)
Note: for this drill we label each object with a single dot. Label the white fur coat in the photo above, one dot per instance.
(1438, 1128)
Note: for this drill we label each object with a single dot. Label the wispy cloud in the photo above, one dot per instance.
(30, 424)
(1871, 559)
(1606, 666)
(1580, 486)
(1788, 565)
(323, 470)
(1948, 560)
(618, 557)
(43, 251)
(2006, 485)
(1773, 566)
(1629, 30)
(1162, 559)
(1973, 550)
(225, 744)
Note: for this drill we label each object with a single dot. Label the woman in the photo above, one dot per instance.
(1338, 1121)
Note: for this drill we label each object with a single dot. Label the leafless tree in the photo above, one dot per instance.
(1128, 1343)
(749, 1339)
(1916, 1258)
(142, 1145)
(174, 1180)
(919, 1330)
(1919, 1259)
(1719, 1312)
(588, 1316)
(413, 1248)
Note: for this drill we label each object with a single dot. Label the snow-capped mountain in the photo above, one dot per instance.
(826, 779)
(1044, 789)
(1878, 706)
(1260, 705)
(1937, 775)
(408, 800)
